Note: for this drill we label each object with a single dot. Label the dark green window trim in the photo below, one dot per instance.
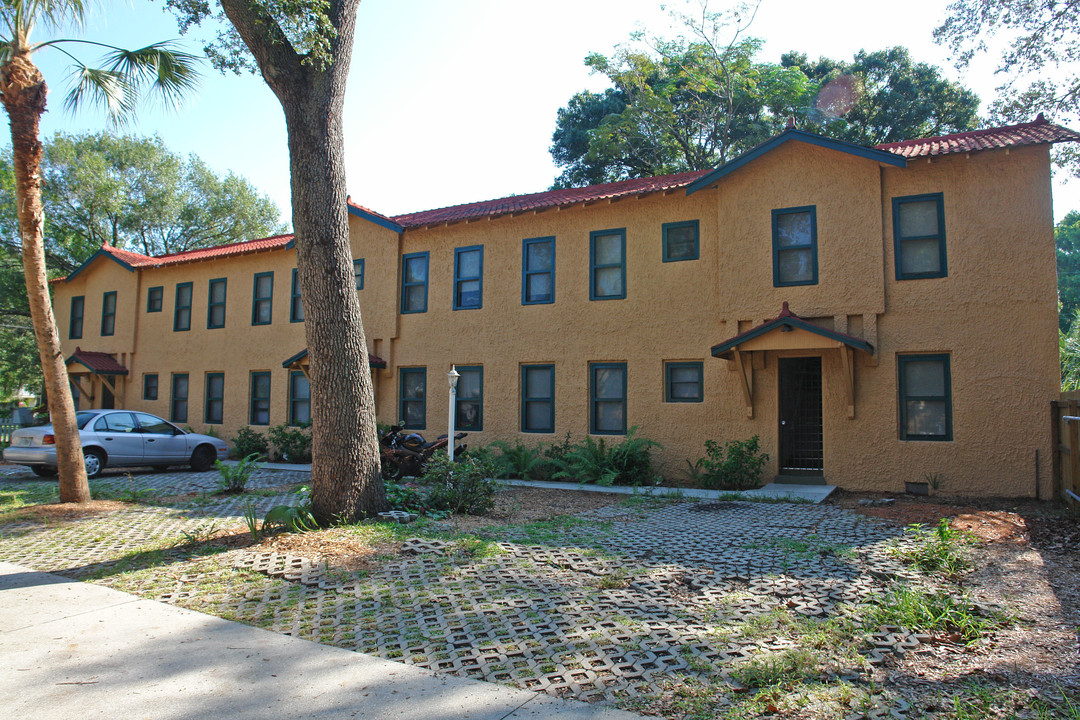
(296, 305)
(215, 309)
(182, 311)
(899, 242)
(594, 266)
(178, 399)
(596, 403)
(405, 403)
(666, 229)
(673, 378)
(358, 272)
(150, 386)
(461, 281)
(528, 273)
(155, 298)
(259, 410)
(108, 313)
(470, 410)
(540, 402)
(407, 286)
(778, 251)
(299, 398)
(78, 310)
(262, 305)
(214, 410)
(902, 361)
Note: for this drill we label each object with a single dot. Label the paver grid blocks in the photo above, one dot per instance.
(617, 602)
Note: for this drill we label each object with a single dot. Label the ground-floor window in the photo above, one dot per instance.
(925, 386)
(150, 386)
(684, 382)
(607, 398)
(470, 398)
(412, 394)
(179, 404)
(260, 399)
(215, 397)
(538, 398)
(299, 398)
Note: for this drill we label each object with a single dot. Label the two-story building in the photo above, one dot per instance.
(872, 314)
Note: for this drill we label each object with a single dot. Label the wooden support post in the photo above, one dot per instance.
(746, 381)
(108, 384)
(847, 358)
(1074, 447)
(1055, 444)
(84, 392)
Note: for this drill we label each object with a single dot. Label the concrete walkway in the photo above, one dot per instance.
(776, 491)
(71, 649)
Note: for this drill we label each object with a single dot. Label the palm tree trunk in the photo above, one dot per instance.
(23, 91)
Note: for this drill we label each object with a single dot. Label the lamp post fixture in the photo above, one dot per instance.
(453, 377)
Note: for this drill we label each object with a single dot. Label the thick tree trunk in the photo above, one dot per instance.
(22, 91)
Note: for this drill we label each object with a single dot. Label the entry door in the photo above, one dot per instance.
(801, 449)
(107, 400)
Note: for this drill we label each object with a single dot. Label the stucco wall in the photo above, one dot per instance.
(994, 314)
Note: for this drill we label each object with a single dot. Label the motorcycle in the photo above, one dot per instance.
(406, 454)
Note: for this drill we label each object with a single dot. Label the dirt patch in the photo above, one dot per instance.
(348, 553)
(529, 504)
(63, 512)
(988, 521)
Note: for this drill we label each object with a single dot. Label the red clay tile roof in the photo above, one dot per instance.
(98, 362)
(1038, 132)
(547, 200)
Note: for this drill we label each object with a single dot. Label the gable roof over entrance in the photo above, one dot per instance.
(810, 336)
(98, 363)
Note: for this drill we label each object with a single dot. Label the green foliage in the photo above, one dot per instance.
(297, 518)
(934, 613)
(291, 444)
(136, 194)
(234, 478)
(1067, 239)
(735, 466)
(250, 442)
(593, 462)
(772, 669)
(941, 550)
(519, 461)
(251, 519)
(460, 487)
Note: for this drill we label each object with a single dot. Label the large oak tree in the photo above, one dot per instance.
(302, 49)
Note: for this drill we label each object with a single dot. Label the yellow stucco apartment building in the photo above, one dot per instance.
(872, 314)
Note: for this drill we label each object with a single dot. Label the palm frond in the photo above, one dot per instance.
(169, 72)
(108, 89)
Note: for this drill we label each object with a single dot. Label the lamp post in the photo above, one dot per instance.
(453, 377)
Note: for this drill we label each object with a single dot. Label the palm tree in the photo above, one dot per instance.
(117, 87)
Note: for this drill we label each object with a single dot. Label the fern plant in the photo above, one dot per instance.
(519, 461)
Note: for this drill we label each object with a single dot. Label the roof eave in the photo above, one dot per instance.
(373, 218)
(727, 168)
(100, 253)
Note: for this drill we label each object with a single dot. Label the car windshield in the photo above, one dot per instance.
(82, 418)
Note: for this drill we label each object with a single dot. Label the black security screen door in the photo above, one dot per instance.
(800, 416)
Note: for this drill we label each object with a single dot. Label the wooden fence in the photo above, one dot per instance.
(1066, 438)
(7, 425)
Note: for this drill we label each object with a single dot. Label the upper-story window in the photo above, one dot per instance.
(262, 303)
(296, 305)
(414, 282)
(538, 271)
(215, 306)
(469, 277)
(681, 241)
(108, 313)
(358, 272)
(919, 236)
(794, 232)
(182, 312)
(684, 382)
(607, 264)
(154, 298)
(78, 309)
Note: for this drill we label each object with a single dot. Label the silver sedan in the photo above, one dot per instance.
(117, 438)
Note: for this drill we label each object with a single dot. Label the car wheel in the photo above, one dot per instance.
(95, 462)
(160, 468)
(203, 458)
(42, 471)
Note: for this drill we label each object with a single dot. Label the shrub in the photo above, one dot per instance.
(460, 487)
(293, 444)
(594, 462)
(250, 442)
(234, 478)
(552, 460)
(941, 550)
(519, 460)
(735, 466)
(403, 497)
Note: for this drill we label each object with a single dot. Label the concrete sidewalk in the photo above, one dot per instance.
(71, 649)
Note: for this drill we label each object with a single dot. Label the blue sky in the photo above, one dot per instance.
(453, 102)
